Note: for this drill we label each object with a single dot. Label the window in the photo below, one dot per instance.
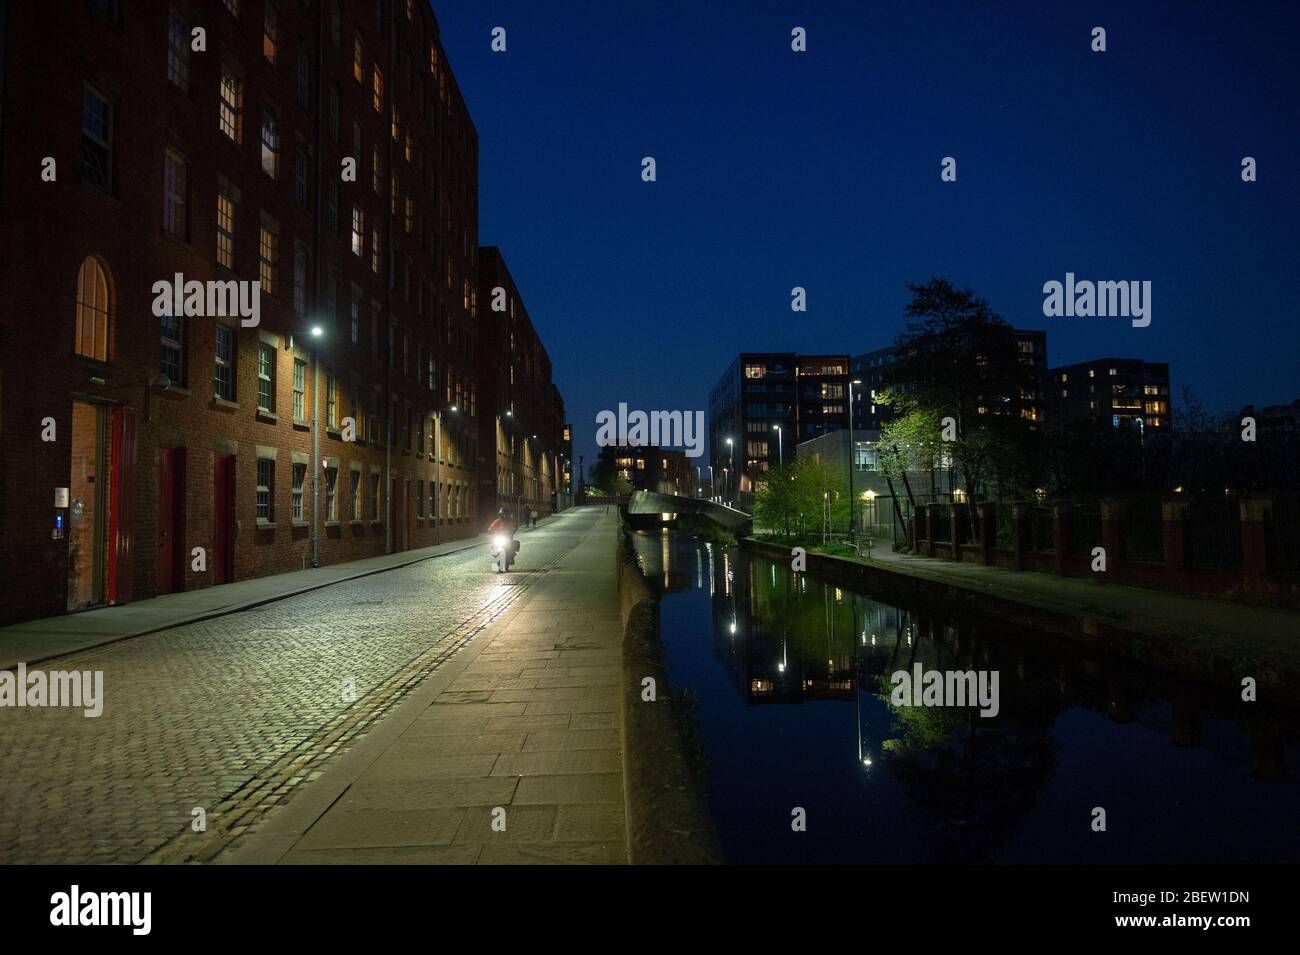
(225, 227)
(302, 175)
(296, 509)
(299, 390)
(173, 354)
(377, 84)
(175, 179)
(265, 484)
(299, 278)
(410, 214)
(92, 310)
(355, 317)
(358, 58)
(377, 171)
(358, 231)
(270, 144)
(96, 139)
(232, 103)
(270, 33)
(374, 331)
(304, 78)
(334, 112)
(331, 495)
(374, 252)
(268, 253)
(356, 495)
(332, 207)
(374, 497)
(265, 377)
(419, 498)
(178, 52)
(331, 401)
(225, 363)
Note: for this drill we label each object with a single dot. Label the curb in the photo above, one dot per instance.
(668, 819)
(232, 608)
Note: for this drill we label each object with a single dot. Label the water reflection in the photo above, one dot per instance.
(1184, 775)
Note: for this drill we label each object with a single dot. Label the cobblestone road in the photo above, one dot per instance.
(198, 713)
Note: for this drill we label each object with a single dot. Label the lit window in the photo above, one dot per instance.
(270, 144)
(268, 253)
(377, 82)
(358, 231)
(232, 103)
(226, 228)
(358, 57)
(270, 33)
(331, 401)
(92, 310)
(356, 495)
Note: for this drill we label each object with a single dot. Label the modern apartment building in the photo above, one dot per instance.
(871, 367)
(1115, 391)
(320, 149)
(652, 468)
(763, 406)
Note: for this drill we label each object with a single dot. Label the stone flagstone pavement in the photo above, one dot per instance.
(525, 720)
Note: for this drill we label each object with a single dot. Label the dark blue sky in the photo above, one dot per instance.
(821, 169)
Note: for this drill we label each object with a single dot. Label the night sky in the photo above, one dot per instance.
(821, 169)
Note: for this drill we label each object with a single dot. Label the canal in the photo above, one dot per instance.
(790, 679)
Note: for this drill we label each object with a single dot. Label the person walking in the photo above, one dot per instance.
(532, 515)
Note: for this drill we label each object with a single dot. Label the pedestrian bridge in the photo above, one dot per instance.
(652, 502)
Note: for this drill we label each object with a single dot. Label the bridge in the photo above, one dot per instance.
(652, 502)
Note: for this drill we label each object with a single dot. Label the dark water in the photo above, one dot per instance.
(792, 677)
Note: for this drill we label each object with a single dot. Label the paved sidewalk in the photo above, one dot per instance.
(523, 726)
(37, 640)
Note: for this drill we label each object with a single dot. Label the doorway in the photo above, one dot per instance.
(88, 493)
(223, 518)
(171, 520)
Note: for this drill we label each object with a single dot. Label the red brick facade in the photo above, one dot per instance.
(80, 85)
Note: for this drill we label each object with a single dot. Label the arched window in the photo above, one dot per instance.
(92, 309)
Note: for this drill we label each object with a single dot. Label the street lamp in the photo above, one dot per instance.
(855, 381)
(731, 460)
(316, 443)
(780, 450)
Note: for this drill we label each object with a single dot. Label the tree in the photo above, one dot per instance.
(958, 359)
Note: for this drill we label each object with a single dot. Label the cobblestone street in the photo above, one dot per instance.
(195, 714)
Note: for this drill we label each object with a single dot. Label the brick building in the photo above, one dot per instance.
(144, 453)
(521, 430)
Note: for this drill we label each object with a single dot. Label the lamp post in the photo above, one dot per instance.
(731, 461)
(852, 529)
(780, 449)
(316, 333)
(713, 492)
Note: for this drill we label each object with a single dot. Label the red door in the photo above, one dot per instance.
(171, 520)
(223, 519)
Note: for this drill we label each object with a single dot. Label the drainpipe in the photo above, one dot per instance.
(316, 295)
